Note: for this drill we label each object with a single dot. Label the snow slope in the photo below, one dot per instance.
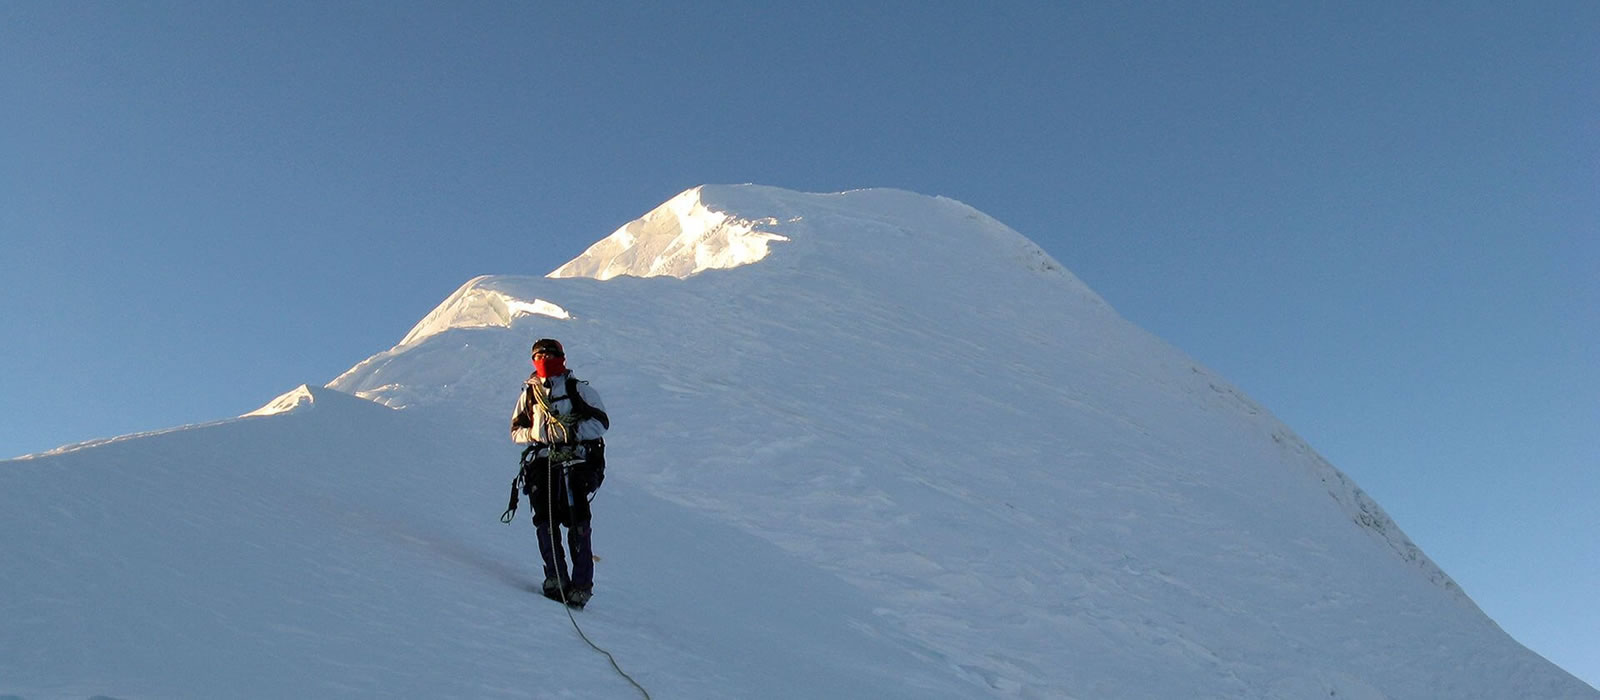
(869, 444)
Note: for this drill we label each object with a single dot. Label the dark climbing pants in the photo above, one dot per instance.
(561, 498)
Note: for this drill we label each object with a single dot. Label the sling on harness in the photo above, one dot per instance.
(518, 483)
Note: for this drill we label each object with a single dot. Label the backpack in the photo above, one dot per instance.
(594, 450)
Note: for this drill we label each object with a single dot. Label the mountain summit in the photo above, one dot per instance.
(680, 238)
(867, 444)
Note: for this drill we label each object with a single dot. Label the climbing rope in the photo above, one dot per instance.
(557, 430)
(550, 496)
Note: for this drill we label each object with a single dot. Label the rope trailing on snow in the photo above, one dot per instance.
(550, 495)
(613, 659)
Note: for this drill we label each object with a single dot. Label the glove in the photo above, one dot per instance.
(521, 421)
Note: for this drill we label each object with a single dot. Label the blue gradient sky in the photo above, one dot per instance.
(1380, 220)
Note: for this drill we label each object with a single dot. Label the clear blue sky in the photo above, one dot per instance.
(1381, 220)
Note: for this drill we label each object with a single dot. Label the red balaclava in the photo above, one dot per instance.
(550, 366)
(549, 359)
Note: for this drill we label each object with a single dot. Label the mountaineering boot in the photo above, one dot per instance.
(578, 597)
(552, 588)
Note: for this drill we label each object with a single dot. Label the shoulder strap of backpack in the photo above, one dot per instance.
(582, 407)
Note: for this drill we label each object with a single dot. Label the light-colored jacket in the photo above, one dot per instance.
(530, 424)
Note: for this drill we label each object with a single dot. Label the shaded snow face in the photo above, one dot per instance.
(910, 453)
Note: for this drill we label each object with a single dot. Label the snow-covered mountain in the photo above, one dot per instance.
(867, 445)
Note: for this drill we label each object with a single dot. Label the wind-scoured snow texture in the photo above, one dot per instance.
(905, 454)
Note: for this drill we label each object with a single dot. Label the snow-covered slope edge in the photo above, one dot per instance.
(300, 397)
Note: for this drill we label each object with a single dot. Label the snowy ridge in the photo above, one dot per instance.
(299, 398)
(1351, 498)
(478, 304)
(101, 442)
(305, 397)
(918, 458)
(288, 401)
